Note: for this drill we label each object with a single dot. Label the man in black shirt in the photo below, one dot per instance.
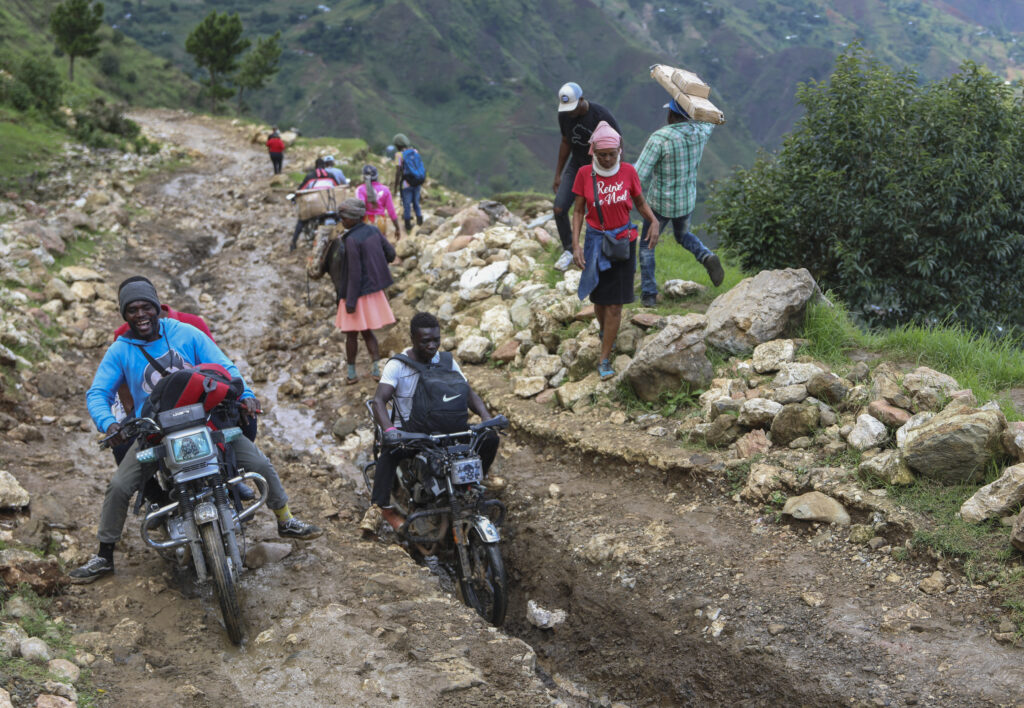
(577, 118)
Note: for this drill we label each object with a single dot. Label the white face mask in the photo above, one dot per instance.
(611, 171)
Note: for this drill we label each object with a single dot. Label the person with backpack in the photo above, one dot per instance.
(156, 347)
(358, 263)
(248, 425)
(410, 174)
(317, 178)
(378, 201)
(275, 147)
(427, 389)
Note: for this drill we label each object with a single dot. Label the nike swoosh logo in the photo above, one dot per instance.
(450, 398)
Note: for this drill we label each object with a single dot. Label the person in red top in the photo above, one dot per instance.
(275, 146)
(608, 284)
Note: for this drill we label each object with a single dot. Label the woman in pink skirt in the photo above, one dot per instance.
(378, 201)
(358, 263)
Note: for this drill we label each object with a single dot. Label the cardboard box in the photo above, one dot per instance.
(689, 91)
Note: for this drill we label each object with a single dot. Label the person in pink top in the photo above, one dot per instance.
(378, 201)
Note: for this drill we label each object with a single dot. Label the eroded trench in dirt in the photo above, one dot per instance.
(668, 587)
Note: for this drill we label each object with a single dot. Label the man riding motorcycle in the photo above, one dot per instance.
(397, 385)
(153, 348)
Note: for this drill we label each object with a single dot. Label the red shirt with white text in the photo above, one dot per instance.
(616, 192)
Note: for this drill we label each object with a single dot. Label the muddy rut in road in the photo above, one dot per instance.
(675, 594)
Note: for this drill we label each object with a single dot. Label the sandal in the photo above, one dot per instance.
(375, 371)
(350, 381)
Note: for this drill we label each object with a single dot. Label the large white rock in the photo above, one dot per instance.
(528, 386)
(770, 356)
(74, 273)
(497, 323)
(997, 498)
(915, 421)
(815, 506)
(758, 412)
(867, 433)
(473, 349)
(759, 309)
(12, 494)
(956, 444)
(480, 277)
(791, 373)
(671, 358)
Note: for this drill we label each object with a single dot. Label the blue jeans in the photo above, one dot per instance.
(411, 201)
(681, 230)
(564, 200)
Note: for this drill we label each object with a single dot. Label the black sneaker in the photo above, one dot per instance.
(293, 528)
(714, 268)
(649, 300)
(94, 568)
(419, 220)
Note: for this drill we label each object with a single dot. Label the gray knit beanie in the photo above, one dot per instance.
(134, 291)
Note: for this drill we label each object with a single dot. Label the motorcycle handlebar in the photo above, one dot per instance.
(129, 429)
(499, 422)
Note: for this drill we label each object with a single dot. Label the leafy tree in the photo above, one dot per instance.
(36, 84)
(215, 44)
(74, 24)
(902, 197)
(258, 65)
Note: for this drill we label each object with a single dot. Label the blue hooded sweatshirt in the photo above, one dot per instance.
(179, 346)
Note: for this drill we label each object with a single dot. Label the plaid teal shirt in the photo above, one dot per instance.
(667, 167)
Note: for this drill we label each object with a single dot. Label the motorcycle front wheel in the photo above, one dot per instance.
(485, 587)
(223, 581)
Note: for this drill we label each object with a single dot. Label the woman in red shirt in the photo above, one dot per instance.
(608, 284)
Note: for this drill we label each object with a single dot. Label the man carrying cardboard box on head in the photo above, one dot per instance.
(667, 168)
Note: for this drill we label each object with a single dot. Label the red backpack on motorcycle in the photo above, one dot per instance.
(209, 384)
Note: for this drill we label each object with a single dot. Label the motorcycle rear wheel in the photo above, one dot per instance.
(487, 588)
(224, 584)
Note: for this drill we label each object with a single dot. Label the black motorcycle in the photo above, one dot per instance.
(441, 493)
(190, 501)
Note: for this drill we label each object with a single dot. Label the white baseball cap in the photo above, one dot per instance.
(569, 97)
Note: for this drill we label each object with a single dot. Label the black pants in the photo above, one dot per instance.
(384, 474)
(277, 158)
(298, 231)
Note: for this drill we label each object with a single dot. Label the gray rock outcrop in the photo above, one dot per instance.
(759, 309)
(673, 357)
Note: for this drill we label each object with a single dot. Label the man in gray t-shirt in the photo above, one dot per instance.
(397, 384)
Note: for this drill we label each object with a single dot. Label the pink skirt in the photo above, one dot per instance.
(372, 312)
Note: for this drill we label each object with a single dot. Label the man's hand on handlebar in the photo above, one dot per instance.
(250, 408)
(115, 436)
(392, 436)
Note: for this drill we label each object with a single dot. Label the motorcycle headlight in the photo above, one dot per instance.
(192, 447)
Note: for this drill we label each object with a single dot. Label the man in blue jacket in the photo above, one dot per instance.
(152, 348)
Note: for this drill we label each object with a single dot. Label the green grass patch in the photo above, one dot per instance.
(57, 635)
(29, 143)
(529, 204)
(339, 147)
(977, 361)
(673, 262)
(981, 549)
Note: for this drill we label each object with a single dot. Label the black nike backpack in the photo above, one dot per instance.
(440, 402)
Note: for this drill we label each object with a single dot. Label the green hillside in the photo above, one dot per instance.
(122, 71)
(473, 83)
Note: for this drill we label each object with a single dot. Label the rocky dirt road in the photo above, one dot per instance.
(676, 595)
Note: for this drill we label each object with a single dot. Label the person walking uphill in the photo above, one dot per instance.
(275, 146)
(410, 174)
(378, 201)
(577, 119)
(668, 173)
(358, 263)
(606, 191)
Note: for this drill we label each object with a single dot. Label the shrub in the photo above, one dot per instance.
(902, 197)
(39, 76)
